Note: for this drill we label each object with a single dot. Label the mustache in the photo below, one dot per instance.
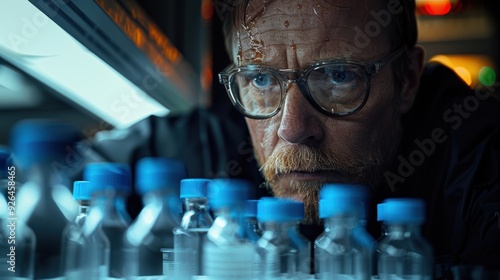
(309, 159)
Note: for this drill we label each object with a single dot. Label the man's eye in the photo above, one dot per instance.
(340, 76)
(261, 80)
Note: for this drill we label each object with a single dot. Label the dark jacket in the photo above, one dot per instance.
(450, 156)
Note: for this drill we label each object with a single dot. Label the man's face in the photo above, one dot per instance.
(300, 148)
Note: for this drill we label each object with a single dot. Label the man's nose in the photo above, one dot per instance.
(300, 121)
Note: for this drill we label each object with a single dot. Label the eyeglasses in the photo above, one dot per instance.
(336, 88)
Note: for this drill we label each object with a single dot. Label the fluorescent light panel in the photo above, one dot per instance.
(38, 46)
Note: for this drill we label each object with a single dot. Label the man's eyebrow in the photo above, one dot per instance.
(253, 63)
(355, 58)
(336, 58)
(340, 59)
(346, 59)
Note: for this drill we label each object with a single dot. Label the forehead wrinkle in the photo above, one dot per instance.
(256, 9)
(286, 37)
(278, 55)
(289, 28)
(301, 20)
(296, 36)
(314, 38)
(310, 52)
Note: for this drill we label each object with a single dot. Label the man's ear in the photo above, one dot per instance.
(412, 78)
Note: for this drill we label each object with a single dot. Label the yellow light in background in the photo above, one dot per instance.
(464, 74)
(443, 59)
(473, 69)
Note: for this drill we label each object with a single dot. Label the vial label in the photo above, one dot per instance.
(168, 261)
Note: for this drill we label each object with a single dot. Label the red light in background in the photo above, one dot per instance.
(207, 10)
(438, 8)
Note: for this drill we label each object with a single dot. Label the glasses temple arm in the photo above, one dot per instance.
(387, 59)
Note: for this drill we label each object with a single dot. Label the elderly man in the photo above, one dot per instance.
(337, 91)
(321, 104)
(329, 87)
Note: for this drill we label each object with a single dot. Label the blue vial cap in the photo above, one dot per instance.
(4, 162)
(343, 190)
(194, 188)
(251, 208)
(38, 140)
(81, 190)
(279, 210)
(343, 198)
(104, 175)
(401, 211)
(156, 173)
(331, 206)
(228, 192)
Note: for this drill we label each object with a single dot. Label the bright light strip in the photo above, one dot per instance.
(38, 46)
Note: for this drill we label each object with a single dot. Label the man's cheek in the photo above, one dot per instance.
(347, 139)
(259, 148)
(266, 136)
